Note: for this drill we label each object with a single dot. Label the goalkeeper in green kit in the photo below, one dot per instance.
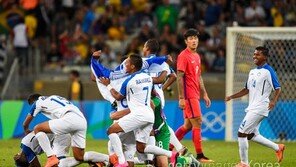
(162, 137)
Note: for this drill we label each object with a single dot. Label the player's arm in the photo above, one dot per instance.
(275, 99)
(170, 80)
(180, 83)
(119, 114)
(160, 79)
(27, 122)
(105, 81)
(241, 93)
(157, 60)
(204, 92)
(97, 68)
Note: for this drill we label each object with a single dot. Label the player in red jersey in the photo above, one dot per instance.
(190, 85)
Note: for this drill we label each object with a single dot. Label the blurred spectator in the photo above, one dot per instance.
(212, 12)
(276, 13)
(239, 15)
(21, 44)
(254, 14)
(76, 87)
(166, 14)
(219, 62)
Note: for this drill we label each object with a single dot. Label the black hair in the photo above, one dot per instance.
(75, 73)
(191, 32)
(33, 97)
(153, 45)
(264, 50)
(136, 60)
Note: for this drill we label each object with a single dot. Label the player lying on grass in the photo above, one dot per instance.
(30, 148)
(65, 118)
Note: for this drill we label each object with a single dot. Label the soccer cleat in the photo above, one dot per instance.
(280, 153)
(113, 159)
(183, 151)
(241, 164)
(203, 159)
(122, 165)
(174, 157)
(52, 161)
(194, 161)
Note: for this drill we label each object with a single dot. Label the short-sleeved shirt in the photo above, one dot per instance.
(190, 64)
(53, 107)
(137, 90)
(261, 81)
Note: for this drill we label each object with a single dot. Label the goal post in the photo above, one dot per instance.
(241, 43)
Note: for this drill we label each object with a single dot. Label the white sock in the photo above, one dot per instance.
(174, 140)
(117, 147)
(157, 151)
(44, 143)
(262, 140)
(151, 141)
(243, 149)
(69, 161)
(93, 156)
(110, 149)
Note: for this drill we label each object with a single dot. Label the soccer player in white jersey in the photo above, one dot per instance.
(159, 74)
(30, 149)
(65, 118)
(137, 90)
(261, 81)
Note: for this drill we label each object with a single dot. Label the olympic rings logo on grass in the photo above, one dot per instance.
(213, 122)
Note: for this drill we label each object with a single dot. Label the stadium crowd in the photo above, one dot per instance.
(67, 31)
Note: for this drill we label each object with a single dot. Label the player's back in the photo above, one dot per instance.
(31, 142)
(138, 92)
(53, 107)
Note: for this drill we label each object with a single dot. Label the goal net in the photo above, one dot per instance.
(281, 42)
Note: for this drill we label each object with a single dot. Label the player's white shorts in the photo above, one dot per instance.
(71, 123)
(138, 124)
(251, 123)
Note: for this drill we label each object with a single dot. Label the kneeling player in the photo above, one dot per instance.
(30, 148)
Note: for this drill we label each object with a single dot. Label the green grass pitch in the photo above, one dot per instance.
(225, 154)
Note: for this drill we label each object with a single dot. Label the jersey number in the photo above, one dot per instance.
(60, 100)
(146, 88)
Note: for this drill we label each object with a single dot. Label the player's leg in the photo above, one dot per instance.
(129, 146)
(247, 126)
(175, 143)
(40, 130)
(142, 135)
(258, 138)
(162, 137)
(126, 124)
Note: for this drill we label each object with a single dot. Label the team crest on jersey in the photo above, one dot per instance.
(259, 73)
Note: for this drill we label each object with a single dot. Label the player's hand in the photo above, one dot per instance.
(182, 103)
(96, 54)
(170, 60)
(227, 98)
(271, 105)
(207, 100)
(27, 131)
(104, 81)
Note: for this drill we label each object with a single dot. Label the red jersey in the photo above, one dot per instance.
(189, 63)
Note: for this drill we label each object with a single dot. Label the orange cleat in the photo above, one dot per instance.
(241, 164)
(52, 161)
(113, 159)
(280, 153)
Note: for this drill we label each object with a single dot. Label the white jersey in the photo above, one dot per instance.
(155, 70)
(53, 107)
(137, 90)
(60, 145)
(261, 81)
(116, 84)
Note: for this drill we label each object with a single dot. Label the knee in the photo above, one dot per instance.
(141, 148)
(78, 157)
(37, 129)
(110, 130)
